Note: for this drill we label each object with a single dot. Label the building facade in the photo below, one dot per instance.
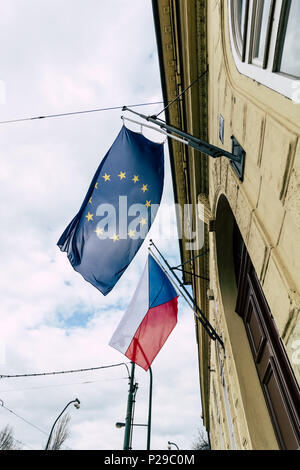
(242, 60)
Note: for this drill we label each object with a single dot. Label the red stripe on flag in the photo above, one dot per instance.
(152, 333)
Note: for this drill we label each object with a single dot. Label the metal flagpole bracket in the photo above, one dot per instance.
(190, 273)
(197, 310)
(191, 259)
(240, 152)
(236, 157)
(180, 266)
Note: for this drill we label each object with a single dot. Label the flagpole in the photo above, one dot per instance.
(199, 314)
(149, 410)
(128, 422)
(237, 156)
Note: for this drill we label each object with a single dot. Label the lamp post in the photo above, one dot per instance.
(130, 411)
(149, 409)
(130, 408)
(76, 404)
(122, 425)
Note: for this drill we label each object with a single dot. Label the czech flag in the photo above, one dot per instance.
(149, 319)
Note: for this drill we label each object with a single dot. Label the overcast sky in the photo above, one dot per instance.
(64, 56)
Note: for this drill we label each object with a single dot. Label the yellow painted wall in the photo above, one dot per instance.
(267, 209)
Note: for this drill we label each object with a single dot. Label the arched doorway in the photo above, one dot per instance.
(243, 296)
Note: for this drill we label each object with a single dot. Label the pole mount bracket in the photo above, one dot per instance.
(236, 157)
(238, 151)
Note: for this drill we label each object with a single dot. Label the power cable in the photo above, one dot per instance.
(184, 91)
(61, 385)
(64, 371)
(97, 110)
(23, 419)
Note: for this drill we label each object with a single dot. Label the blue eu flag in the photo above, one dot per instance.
(117, 211)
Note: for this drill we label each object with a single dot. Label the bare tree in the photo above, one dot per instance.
(7, 440)
(61, 433)
(202, 441)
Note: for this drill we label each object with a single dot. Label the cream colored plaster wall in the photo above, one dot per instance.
(266, 205)
(248, 410)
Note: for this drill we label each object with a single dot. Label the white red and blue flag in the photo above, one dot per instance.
(149, 318)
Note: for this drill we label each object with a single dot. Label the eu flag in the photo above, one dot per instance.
(118, 210)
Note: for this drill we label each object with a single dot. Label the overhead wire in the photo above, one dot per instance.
(27, 422)
(73, 371)
(23, 419)
(40, 374)
(86, 382)
(73, 113)
(182, 93)
(109, 108)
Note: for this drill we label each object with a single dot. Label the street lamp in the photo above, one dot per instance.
(76, 404)
(172, 443)
(122, 425)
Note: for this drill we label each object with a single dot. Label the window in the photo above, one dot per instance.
(261, 28)
(240, 10)
(278, 382)
(265, 43)
(289, 61)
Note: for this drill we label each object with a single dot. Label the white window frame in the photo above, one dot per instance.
(254, 34)
(263, 73)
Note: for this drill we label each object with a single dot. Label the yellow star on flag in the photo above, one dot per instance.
(115, 238)
(90, 200)
(122, 175)
(135, 179)
(106, 177)
(131, 233)
(89, 216)
(96, 185)
(145, 188)
(143, 221)
(148, 204)
(99, 231)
